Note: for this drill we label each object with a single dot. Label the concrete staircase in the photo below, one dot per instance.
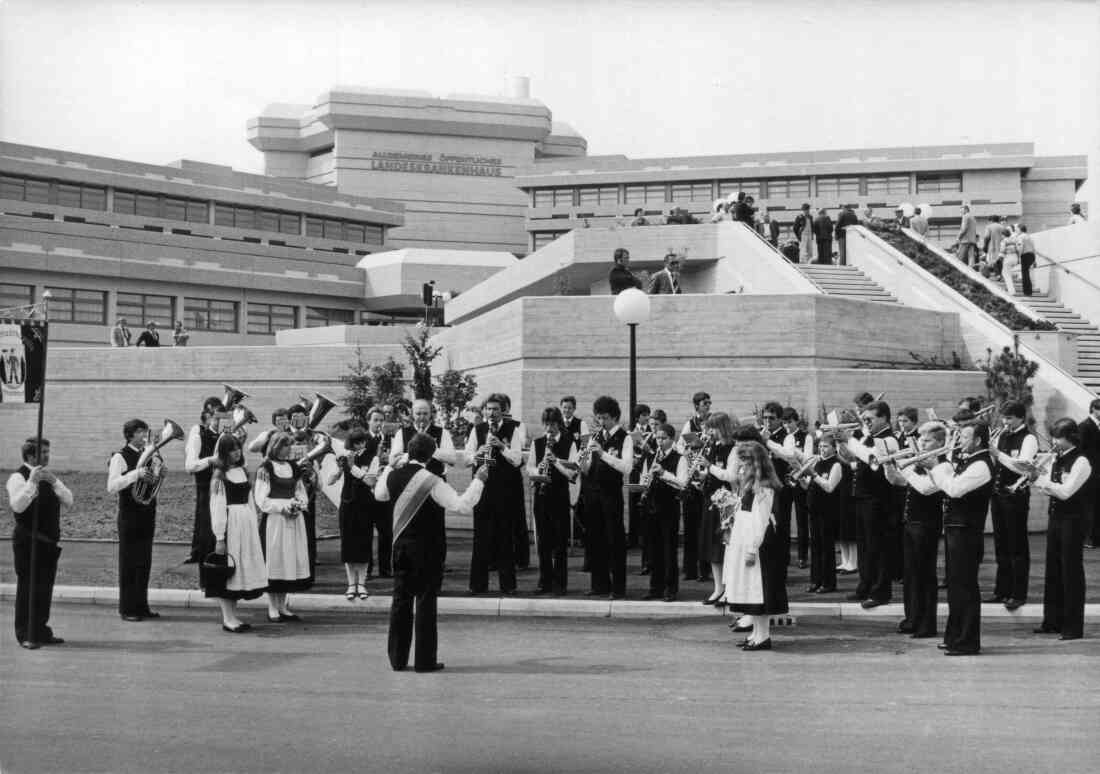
(1088, 335)
(845, 281)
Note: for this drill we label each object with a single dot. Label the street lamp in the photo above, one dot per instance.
(632, 308)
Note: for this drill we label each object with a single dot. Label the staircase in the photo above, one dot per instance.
(844, 281)
(1088, 335)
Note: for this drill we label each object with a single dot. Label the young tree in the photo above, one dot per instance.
(1008, 376)
(453, 392)
(388, 382)
(421, 354)
(358, 392)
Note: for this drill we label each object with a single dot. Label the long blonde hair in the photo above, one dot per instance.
(754, 454)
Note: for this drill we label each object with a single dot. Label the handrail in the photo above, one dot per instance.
(779, 252)
(1052, 263)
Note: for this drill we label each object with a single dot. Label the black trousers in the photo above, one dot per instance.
(417, 578)
(824, 251)
(922, 544)
(381, 518)
(662, 541)
(1010, 544)
(876, 556)
(41, 585)
(202, 533)
(552, 514)
(1064, 594)
(310, 516)
(822, 549)
(607, 560)
(693, 513)
(494, 544)
(1027, 260)
(135, 561)
(964, 599)
(801, 522)
(522, 537)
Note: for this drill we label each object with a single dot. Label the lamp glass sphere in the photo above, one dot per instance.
(632, 307)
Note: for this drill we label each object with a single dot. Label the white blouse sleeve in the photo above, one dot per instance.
(219, 507)
(728, 473)
(261, 492)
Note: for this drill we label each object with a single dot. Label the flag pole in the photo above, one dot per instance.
(32, 631)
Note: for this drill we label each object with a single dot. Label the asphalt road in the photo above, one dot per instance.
(539, 695)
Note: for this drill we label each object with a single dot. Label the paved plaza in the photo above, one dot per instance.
(539, 695)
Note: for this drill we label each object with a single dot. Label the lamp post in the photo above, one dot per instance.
(632, 308)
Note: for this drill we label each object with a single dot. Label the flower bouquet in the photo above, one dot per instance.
(728, 503)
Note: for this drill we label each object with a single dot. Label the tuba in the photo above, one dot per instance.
(145, 490)
(319, 450)
(233, 396)
(318, 409)
(242, 415)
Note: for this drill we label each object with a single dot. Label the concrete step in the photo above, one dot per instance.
(845, 282)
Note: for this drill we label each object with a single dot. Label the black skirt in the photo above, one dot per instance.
(355, 533)
(772, 557)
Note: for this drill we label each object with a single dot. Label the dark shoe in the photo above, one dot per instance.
(743, 643)
(150, 614)
(284, 617)
(650, 596)
(942, 646)
(385, 575)
(994, 599)
(670, 596)
(1044, 629)
(397, 668)
(765, 645)
(594, 593)
(855, 596)
(51, 640)
(740, 629)
(437, 666)
(238, 629)
(905, 628)
(691, 577)
(867, 604)
(950, 652)
(126, 617)
(275, 619)
(919, 636)
(617, 596)
(30, 645)
(508, 592)
(1014, 604)
(710, 601)
(826, 590)
(540, 590)
(812, 589)
(1070, 637)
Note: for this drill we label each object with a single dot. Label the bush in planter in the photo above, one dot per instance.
(1008, 376)
(955, 278)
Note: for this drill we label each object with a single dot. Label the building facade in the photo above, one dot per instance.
(1005, 179)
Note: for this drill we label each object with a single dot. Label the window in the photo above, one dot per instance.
(157, 206)
(148, 205)
(125, 202)
(942, 183)
(751, 188)
(838, 186)
(691, 192)
(38, 191)
(140, 309)
(643, 194)
(175, 209)
(319, 318)
(205, 314)
(268, 318)
(598, 194)
(944, 231)
(355, 232)
(543, 238)
(554, 197)
(78, 306)
(68, 195)
(897, 185)
(266, 220)
(53, 192)
(794, 188)
(12, 187)
(197, 212)
(289, 223)
(16, 295)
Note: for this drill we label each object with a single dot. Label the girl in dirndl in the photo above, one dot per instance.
(755, 565)
(281, 496)
(237, 533)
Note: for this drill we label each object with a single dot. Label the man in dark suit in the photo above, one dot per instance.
(1089, 432)
(621, 277)
(846, 218)
(668, 279)
(150, 337)
(823, 235)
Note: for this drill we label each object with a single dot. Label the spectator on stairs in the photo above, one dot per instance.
(823, 235)
(1075, 215)
(919, 223)
(1027, 258)
(1010, 259)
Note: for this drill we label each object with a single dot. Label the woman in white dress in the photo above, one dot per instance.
(281, 497)
(755, 567)
(237, 533)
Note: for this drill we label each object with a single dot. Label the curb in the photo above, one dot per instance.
(520, 607)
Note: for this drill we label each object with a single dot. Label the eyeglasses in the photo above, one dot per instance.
(770, 417)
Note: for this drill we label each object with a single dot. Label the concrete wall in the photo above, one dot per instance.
(1069, 265)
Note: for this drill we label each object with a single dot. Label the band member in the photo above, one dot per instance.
(606, 461)
(908, 432)
(419, 549)
(923, 523)
(35, 481)
(789, 444)
(1010, 507)
(719, 470)
(873, 500)
(967, 484)
(639, 424)
(667, 472)
(282, 497)
(378, 452)
(304, 440)
(497, 443)
(551, 500)
(825, 501)
(908, 438)
(1064, 593)
(236, 533)
(199, 462)
(280, 423)
(521, 536)
(576, 427)
(694, 565)
(136, 524)
(356, 496)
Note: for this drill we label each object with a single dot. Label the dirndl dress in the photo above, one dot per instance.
(233, 518)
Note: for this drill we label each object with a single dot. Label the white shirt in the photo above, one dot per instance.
(921, 483)
(955, 486)
(836, 475)
(533, 464)
(624, 463)
(21, 493)
(445, 451)
(1076, 478)
(1029, 447)
(583, 430)
(261, 491)
(728, 472)
(513, 453)
(884, 445)
(193, 463)
(117, 477)
(443, 493)
(680, 445)
(219, 505)
(789, 451)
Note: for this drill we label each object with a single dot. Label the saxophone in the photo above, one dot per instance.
(700, 462)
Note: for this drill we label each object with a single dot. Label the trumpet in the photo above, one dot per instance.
(807, 466)
(951, 445)
(843, 427)
(875, 462)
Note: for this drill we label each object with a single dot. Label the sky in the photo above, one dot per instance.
(161, 80)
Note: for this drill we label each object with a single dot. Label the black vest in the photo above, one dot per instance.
(237, 493)
(719, 455)
(873, 484)
(574, 429)
(1074, 507)
(827, 504)
(355, 490)
(49, 509)
(782, 467)
(208, 441)
(558, 482)
(503, 473)
(427, 526)
(1006, 444)
(126, 503)
(663, 495)
(436, 432)
(282, 488)
(969, 510)
(603, 474)
(923, 509)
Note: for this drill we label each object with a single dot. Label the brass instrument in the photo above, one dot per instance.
(1039, 466)
(233, 396)
(842, 427)
(875, 462)
(318, 409)
(242, 415)
(145, 489)
(951, 445)
(807, 466)
(322, 447)
(700, 462)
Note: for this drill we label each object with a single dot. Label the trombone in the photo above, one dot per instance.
(875, 461)
(951, 445)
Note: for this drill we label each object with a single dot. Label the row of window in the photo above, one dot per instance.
(780, 188)
(199, 314)
(151, 205)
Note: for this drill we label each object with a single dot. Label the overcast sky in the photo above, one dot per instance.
(160, 80)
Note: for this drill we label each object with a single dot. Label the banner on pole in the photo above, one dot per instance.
(22, 358)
